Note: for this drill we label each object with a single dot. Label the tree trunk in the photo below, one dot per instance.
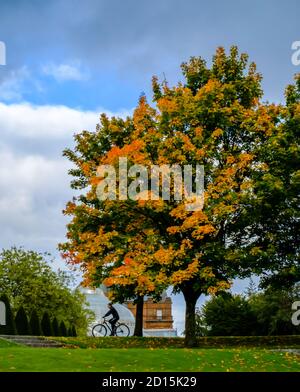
(190, 321)
(138, 328)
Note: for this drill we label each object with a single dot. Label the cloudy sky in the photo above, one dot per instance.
(69, 60)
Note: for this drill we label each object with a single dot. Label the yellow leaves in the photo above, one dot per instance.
(196, 218)
(70, 208)
(222, 285)
(211, 86)
(217, 133)
(255, 251)
(179, 211)
(200, 153)
(247, 184)
(244, 160)
(156, 205)
(85, 166)
(133, 151)
(198, 132)
(187, 144)
(164, 256)
(179, 277)
(201, 231)
(173, 229)
(230, 159)
(167, 104)
(207, 273)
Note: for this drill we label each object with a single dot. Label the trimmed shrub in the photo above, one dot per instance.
(9, 328)
(22, 323)
(35, 324)
(63, 329)
(55, 327)
(74, 333)
(46, 325)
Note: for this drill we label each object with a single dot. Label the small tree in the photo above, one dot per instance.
(35, 324)
(9, 328)
(63, 329)
(22, 323)
(229, 315)
(55, 328)
(273, 310)
(46, 325)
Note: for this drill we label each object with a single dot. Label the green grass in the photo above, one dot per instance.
(5, 343)
(20, 359)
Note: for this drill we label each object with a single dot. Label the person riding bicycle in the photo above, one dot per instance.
(115, 317)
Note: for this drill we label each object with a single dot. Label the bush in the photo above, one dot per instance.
(10, 327)
(46, 325)
(63, 329)
(229, 315)
(22, 323)
(35, 324)
(55, 327)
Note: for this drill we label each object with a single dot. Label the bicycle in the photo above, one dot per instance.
(101, 329)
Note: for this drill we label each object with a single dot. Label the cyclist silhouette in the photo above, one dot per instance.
(115, 317)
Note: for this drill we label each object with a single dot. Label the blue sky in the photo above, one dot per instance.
(68, 61)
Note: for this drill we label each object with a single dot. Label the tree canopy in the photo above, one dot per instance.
(214, 118)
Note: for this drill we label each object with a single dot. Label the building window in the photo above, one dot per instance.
(159, 314)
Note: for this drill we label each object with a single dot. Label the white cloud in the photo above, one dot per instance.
(63, 72)
(48, 122)
(33, 191)
(34, 184)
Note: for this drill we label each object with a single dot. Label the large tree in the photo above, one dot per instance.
(215, 119)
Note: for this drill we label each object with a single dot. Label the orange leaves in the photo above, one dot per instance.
(244, 160)
(167, 104)
(209, 120)
(200, 153)
(164, 256)
(230, 160)
(201, 231)
(183, 275)
(86, 168)
(198, 132)
(133, 151)
(210, 86)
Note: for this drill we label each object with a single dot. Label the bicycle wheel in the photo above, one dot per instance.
(99, 330)
(122, 330)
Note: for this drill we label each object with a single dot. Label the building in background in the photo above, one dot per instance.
(157, 316)
(158, 320)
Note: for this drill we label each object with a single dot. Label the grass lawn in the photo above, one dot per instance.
(18, 359)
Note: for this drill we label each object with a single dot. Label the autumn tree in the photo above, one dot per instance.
(215, 119)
